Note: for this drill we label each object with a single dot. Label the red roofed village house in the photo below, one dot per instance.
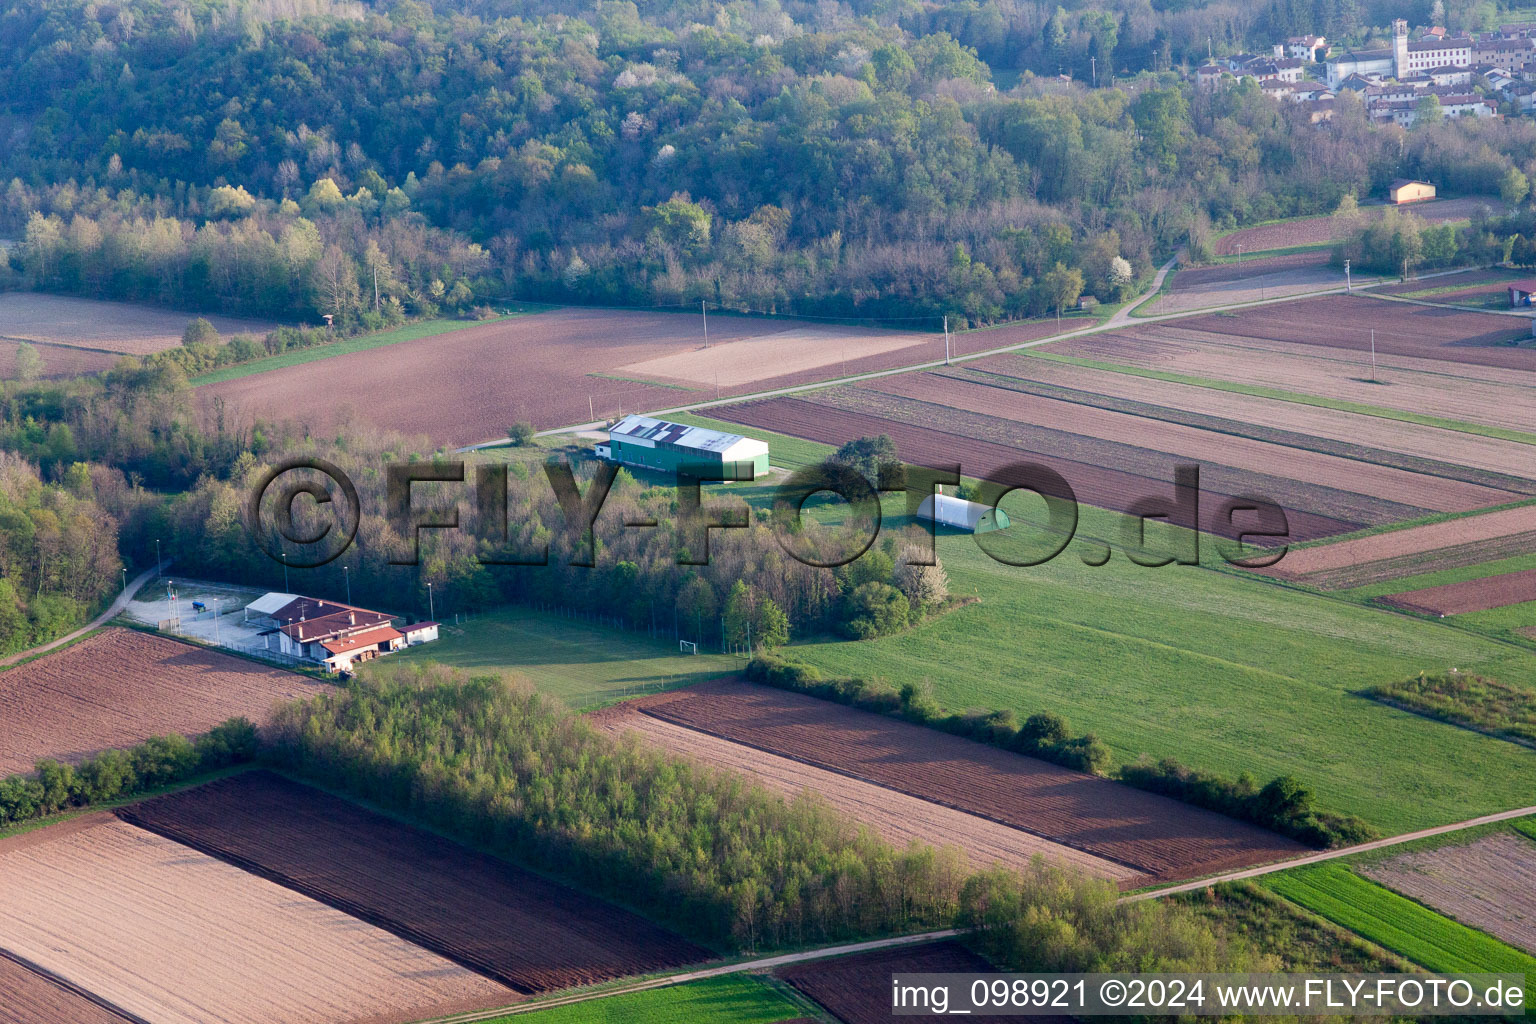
(334, 635)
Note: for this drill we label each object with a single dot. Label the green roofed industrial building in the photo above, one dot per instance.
(670, 447)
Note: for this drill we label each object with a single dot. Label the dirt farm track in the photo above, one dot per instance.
(1158, 837)
(120, 687)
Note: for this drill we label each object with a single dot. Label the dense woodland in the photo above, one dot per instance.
(882, 159)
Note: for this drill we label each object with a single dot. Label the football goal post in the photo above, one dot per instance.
(687, 646)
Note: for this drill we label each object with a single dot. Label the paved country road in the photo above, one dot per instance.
(772, 962)
(116, 606)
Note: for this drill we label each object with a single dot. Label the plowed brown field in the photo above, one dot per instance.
(120, 687)
(857, 989)
(1414, 539)
(509, 924)
(176, 937)
(1489, 884)
(27, 997)
(1402, 328)
(1455, 391)
(1188, 443)
(467, 385)
(1320, 230)
(1160, 837)
(1469, 595)
(1091, 481)
(898, 818)
(110, 326)
(1492, 454)
(58, 360)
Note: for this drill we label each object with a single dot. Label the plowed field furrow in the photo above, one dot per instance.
(1500, 458)
(29, 997)
(1470, 595)
(1402, 328)
(120, 687)
(509, 924)
(1489, 884)
(176, 937)
(897, 817)
(1092, 483)
(1162, 837)
(1354, 449)
(1415, 539)
(1193, 443)
(1498, 398)
(1417, 563)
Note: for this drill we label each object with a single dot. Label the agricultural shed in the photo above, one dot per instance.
(658, 444)
(1520, 292)
(948, 510)
(1404, 190)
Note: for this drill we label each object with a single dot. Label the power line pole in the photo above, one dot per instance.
(946, 341)
(1373, 354)
(1348, 287)
(704, 312)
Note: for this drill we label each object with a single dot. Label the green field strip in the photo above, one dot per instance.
(1526, 827)
(728, 999)
(1440, 577)
(1396, 922)
(1294, 397)
(361, 343)
(583, 663)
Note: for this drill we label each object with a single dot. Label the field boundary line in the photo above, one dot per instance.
(1141, 868)
(760, 964)
(1109, 324)
(1327, 855)
(117, 605)
(826, 952)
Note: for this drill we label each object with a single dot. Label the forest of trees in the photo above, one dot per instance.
(58, 551)
(835, 159)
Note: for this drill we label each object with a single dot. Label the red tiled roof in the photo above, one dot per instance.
(370, 638)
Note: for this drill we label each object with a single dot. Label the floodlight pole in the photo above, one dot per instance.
(125, 581)
(216, 622)
(431, 608)
(286, 589)
(158, 571)
(346, 575)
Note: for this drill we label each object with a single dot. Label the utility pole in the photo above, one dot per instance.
(946, 341)
(1093, 64)
(1239, 254)
(591, 415)
(158, 570)
(346, 575)
(431, 608)
(125, 581)
(704, 312)
(216, 622)
(1373, 354)
(285, 572)
(1347, 286)
(375, 289)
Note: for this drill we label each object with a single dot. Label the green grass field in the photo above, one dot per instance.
(361, 343)
(1399, 924)
(732, 999)
(582, 663)
(1221, 671)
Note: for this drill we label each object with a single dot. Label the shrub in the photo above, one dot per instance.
(520, 433)
(876, 610)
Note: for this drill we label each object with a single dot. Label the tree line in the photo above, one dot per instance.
(116, 774)
(1281, 805)
(777, 160)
